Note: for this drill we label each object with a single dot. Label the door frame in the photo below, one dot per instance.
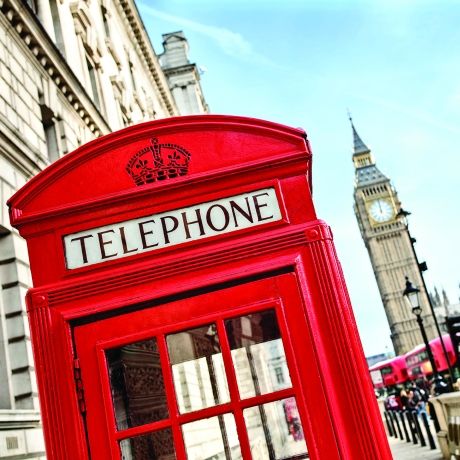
(280, 292)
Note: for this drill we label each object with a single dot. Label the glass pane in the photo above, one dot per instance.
(152, 446)
(258, 353)
(136, 381)
(197, 368)
(275, 431)
(212, 438)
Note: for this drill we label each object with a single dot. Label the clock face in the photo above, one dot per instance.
(381, 210)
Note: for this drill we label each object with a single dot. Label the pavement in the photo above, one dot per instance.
(403, 450)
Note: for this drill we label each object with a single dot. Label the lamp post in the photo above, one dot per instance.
(411, 294)
(422, 267)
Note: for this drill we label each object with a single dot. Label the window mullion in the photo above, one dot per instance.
(171, 398)
(233, 390)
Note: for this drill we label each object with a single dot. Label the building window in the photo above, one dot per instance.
(131, 73)
(33, 5)
(150, 107)
(279, 374)
(57, 26)
(49, 127)
(125, 117)
(63, 141)
(105, 21)
(94, 82)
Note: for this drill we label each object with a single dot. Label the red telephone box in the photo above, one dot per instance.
(189, 304)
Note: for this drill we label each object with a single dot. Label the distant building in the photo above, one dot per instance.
(377, 209)
(182, 75)
(371, 360)
(451, 309)
(442, 307)
(69, 72)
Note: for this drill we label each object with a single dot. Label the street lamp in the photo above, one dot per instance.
(411, 294)
(422, 267)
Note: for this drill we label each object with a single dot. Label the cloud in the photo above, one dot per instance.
(231, 43)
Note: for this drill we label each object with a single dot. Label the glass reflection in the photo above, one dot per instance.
(275, 431)
(136, 381)
(197, 368)
(152, 446)
(212, 438)
(258, 353)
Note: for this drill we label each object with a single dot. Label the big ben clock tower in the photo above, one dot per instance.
(388, 242)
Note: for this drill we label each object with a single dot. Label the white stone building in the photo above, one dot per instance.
(70, 71)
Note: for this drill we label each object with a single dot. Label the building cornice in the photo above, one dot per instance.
(129, 9)
(29, 29)
(180, 70)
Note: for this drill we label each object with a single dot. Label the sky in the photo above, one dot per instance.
(395, 65)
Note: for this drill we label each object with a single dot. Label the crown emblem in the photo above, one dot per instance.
(158, 162)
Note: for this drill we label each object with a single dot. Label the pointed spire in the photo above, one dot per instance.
(358, 145)
(437, 298)
(445, 299)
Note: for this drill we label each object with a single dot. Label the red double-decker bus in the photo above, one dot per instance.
(418, 363)
(388, 373)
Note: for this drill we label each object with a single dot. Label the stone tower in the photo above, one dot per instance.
(388, 242)
(183, 76)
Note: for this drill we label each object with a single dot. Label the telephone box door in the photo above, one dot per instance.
(214, 375)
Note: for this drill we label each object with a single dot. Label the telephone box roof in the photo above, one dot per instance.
(192, 145)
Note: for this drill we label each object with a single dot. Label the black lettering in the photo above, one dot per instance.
(124, 242)
(144, 234)
(166, 230)
(197, 221)
(83, 246)
(248, 215)
(210, 222)
(103, 243)
(259, 206)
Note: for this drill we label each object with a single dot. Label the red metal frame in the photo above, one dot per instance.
(90, 188)
(146, 325)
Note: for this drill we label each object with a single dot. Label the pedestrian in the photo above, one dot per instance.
(393, 402)
(439, 386)
(404, 398)
(416, 402)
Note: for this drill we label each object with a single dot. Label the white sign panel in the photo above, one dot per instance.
(169, 228)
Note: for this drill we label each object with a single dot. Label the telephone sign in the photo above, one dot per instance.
(188, 303)
(171, 227)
